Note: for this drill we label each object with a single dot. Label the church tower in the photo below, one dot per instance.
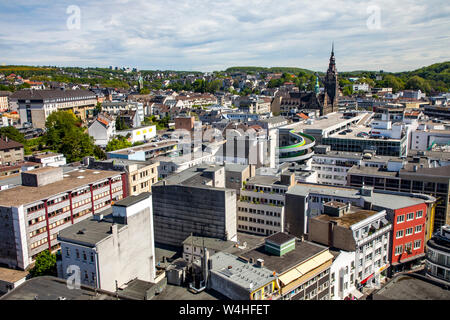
(331, 84)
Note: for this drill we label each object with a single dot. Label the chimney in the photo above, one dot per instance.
(113, 229)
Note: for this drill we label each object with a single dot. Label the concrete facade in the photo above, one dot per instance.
(124, 251)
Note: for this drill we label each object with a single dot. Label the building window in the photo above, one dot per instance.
(418, 229)
(409, 231)
(417, 244)
(398, 250)
(67, 252)
(401, 218)
(77, 254)
(410, 216)
(419, 214)
(399, 234)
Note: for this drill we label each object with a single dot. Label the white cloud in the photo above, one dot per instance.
(212, 35)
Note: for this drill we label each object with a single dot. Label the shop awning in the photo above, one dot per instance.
(290, 276)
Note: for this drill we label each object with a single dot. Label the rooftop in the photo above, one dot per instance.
(303, 251)
(52, 94)
(411, 287)
(131, 200)
(209, 243)
(387, 199)
(147, 147)
(239, 272)
(6, 143)
(280, 238)
(348, 219)
(52, 288)
(71, 180)
(12, 275)
(89, 232)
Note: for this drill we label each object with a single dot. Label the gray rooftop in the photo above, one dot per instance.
(52, 288)
(131, 200)
(411, 287)
(304, 250)
(89, 232)
(235, 167)
(239, 272)
(386, 199)
(209, 243)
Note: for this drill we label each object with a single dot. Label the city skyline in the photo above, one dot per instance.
(208, 36)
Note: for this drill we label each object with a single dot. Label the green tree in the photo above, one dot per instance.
(121, 125)
(45, 265)
(13, 134)
(65, 135)
(118, 143)
(347, 91)
(418, 83)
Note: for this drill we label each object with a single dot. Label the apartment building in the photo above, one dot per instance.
(406, 212)
(11, 151)
(102, 129)
(342, 276)
(51, 200)
(332, 166)
(417, 175)
(117, 107)
(354, 229)
(4, 101)
(111, 250)
(140, 175)
(35, 106)
(260, 208)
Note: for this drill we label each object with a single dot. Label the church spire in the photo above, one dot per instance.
(332, 48)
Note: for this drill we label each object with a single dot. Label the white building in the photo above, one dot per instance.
(342, 275)
(260, 209)
(102, 129)
(361, 87)
(140, 134)
(109, 251)
(49, 159)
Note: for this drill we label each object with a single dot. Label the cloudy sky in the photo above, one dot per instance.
(208, 35)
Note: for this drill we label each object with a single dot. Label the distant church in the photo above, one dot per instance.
(288, 103)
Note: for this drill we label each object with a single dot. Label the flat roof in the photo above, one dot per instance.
(131, 200)
(12, 275)
(209, 243)
(280, 238)
(146, 147)
(348, 219)
(387, 199)
(88, 232)
(71, 180)
(322, 123)
(358, 129)
(243, 274)
(52, 288)
(408, 287)
(303, 251)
